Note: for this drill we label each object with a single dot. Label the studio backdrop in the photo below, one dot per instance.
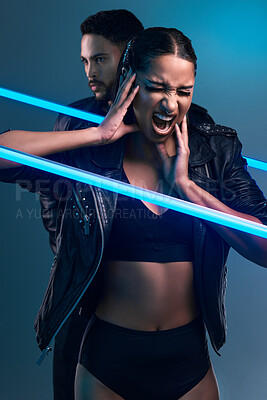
(40, 56)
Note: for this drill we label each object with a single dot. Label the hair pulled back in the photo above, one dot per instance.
(147, 45)
(154, 42)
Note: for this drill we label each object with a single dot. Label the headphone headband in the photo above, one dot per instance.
(126, 52)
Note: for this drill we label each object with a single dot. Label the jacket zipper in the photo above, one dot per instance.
(85, 217)
(211, 338)
(48, 348)
(44, 353)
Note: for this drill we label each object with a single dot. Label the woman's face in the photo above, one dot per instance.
(164, 96)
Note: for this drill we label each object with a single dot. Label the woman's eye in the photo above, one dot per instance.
(153, 89)
(182, 93)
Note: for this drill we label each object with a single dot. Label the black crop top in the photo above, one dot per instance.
(138, 234)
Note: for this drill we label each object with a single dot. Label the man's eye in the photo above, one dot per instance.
(83, 61)
(99, 59)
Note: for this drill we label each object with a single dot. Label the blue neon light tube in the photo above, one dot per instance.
(48, 105)
(256, 163)
(74, 112)
(134, 191)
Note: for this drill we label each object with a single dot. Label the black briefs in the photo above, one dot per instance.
(138, 234)
(142, 365)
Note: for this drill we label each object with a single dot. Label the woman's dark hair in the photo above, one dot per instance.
(149, 44)
(155, 42)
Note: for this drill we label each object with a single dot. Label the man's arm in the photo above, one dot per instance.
(46, 143)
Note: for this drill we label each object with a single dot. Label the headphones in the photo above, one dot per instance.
(124, 73)
(125, 63)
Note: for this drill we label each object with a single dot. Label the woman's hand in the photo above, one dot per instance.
(176, 168)
(252, 247)
(45, 143)
(112, 128)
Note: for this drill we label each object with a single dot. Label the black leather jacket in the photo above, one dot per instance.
(84, 218)
(49, 205)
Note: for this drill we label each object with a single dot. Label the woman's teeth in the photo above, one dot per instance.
(162, 123)
(163, 117)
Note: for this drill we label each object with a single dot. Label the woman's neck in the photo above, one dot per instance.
(139, 148)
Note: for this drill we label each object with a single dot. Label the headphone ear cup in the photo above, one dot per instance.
(123, 74)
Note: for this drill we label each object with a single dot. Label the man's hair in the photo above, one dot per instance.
(118, 26)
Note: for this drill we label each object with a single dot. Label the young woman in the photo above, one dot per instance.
(150, 277)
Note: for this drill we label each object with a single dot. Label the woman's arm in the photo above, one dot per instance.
(250, 246)
(46, 143)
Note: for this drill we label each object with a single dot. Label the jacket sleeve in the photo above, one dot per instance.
(241, 192)
(49, 203)
(48, 199)
(62, 123)
(30, 176)
(50, 187)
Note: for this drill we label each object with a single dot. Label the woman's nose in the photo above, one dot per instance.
(169, 104)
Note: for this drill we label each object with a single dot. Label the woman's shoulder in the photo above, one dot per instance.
(211, 129)
(198, 114)
(212, 141)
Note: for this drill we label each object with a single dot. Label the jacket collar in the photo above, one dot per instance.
(200, 151)
(111, 156)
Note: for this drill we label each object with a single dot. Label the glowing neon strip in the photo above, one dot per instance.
(74, 112)
(48, 105)
(256, 163)
(134, 191)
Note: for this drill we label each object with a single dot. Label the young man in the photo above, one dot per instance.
(104, 36)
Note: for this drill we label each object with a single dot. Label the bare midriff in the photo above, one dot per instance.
(148, 295)
(145, 295)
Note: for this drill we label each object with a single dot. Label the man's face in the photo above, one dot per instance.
(100, 58)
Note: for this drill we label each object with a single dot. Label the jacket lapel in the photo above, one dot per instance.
(200, 151)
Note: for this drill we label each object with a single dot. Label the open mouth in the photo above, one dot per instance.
(162, 124)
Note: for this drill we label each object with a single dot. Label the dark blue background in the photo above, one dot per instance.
(40, 45)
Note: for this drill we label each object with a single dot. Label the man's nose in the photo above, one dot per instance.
(91, 71)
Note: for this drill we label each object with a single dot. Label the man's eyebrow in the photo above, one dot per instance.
(95, 55)
(99, 55)
(163, 84)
